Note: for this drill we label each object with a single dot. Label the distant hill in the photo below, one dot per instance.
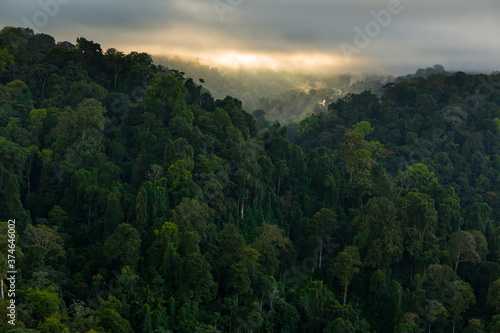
(284, 96)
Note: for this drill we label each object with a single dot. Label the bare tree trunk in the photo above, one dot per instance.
(43, 86)
(116, 77)
(88, 218)
(1, 283)
(320, 253)
(242, 208)
(345, 293)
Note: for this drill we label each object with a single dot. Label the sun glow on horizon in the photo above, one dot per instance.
(297, 61)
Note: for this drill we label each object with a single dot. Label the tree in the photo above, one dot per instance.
(36, 120)
(435, 311)
(419, 221)
(53, 324)
(493, 299)
(418, 177)
(323, 225)
(109, 318)
(379, 238)
(270, 244)
(179, 173)
(41, 303)
(284, 317)
(191, 215)
(89, 115)
(346, 266)
(316, 300)
(494, 325)
(246, 155)
(281, 171)
(47, 239)
(459, 296)
(81, 90)
(17, 95)
(378, 284)
(89, 54)
(123, 246)
(234, 262)
(163, 93)
(117, 61)
(436, 278)
(477, 216)
(194, 275)
(475, 326)
(43, 71)
(113, 215)
(463, 248)
(156, 173)
(5, 59)
(356, 157)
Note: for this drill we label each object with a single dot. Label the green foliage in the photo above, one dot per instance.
(42, 303)
(475, 326)
(191, 215)
(460, 297)
(5, 59)
(347, 265)
(379, 237)
(143, 204)
(494, 295)
(123, 246)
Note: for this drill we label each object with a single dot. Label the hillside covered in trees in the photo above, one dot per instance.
(143, 204)
(284, 96)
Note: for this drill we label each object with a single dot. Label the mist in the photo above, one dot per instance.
(383, 37)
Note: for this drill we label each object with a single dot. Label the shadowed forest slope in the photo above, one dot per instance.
(143, 203)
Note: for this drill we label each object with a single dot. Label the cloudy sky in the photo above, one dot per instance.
(338, 36)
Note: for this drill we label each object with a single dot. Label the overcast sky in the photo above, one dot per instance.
(313, 35)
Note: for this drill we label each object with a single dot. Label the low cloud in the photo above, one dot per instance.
(282, 34)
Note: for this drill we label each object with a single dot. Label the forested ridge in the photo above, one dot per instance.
(143, 204)
(284, 96)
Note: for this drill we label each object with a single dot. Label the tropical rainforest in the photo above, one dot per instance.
(144, 204)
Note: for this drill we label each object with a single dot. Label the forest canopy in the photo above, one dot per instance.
(144, 204)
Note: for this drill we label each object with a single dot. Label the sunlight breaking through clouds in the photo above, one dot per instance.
(292, 34)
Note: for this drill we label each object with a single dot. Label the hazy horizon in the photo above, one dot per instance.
(388, 37)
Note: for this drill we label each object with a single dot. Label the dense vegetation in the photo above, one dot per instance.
(284, 96)
(144, 205)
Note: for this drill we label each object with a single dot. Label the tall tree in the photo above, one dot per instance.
(346, 266)
(323, 225)
(379, 238)
(47, 239)
(463, 248)
(191, 215)
(460, 297)
(124, 246)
